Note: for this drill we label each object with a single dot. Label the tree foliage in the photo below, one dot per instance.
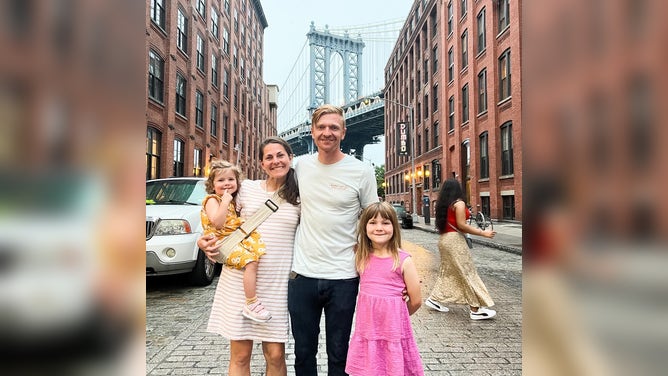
(380, 179)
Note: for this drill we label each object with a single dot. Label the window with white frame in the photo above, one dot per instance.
(482, 42)
(465, 103)
(504, 75)
(214, 120)
(156, 72)
(482, 91)
(201, 8)
(182, 31)
(451, 113)
(214, 70)
(465, 49)
(226, 126)
(450, 18)
(451, 65)
(200, 53)
(199, 109)
(226, 83)
(180, 95)
(503, 10)
(214, 24)
(179, 153)
(158, 12)
(226, 40)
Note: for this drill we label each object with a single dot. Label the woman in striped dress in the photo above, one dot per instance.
(278, 232)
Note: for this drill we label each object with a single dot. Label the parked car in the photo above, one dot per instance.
(50, 263)
(173, 226)
(404, 217)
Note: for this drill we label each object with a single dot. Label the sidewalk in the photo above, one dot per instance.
(508, 235)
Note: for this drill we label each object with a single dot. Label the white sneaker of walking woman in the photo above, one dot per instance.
(435, 305)
(482, 313)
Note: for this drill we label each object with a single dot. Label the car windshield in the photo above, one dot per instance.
(175, 192)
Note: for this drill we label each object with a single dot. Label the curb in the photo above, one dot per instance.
(502, 247)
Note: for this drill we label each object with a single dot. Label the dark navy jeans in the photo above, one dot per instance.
(307, 298)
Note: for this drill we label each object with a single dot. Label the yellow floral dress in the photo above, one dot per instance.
(250, 249)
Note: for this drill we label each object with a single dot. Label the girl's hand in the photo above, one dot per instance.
(207, 243)
(226, 197)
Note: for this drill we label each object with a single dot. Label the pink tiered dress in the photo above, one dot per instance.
(383, 341)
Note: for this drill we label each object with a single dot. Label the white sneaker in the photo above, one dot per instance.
(482, 314)
(434, 305)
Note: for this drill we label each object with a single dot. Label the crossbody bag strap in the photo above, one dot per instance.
(227, 244)
(269, 207)
(456, 229)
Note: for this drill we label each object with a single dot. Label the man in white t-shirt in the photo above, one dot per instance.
(334, 188)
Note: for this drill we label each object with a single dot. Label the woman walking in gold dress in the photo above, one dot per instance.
(458, 281)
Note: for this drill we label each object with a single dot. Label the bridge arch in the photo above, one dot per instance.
(322, 45)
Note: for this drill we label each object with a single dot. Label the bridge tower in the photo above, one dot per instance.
(323, 44)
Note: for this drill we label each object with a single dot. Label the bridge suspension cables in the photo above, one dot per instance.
(379, 39)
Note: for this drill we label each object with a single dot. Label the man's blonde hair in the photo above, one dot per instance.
(326, 109)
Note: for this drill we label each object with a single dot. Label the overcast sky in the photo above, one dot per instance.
(289, 21)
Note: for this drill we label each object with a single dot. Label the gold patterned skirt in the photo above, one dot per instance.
(458, 281)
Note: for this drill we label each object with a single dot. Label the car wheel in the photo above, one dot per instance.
(202, 274)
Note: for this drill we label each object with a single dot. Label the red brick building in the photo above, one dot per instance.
(454, 78)
(206, 97)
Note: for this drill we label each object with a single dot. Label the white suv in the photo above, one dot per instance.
(173, 226)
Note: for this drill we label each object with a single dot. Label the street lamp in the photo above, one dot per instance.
(411, 126)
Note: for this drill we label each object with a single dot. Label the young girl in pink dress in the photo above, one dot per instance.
(383, 341)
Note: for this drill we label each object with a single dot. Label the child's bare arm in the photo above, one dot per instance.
(217, 211)
(412, 280)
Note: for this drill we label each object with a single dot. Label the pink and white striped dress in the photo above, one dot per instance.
(278, 233)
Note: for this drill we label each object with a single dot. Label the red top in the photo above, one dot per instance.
(452, 220)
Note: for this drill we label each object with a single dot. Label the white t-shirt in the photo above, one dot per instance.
(332, 197)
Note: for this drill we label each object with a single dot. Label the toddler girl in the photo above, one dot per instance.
(219, 217)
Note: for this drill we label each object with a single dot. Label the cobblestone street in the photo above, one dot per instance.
(450, 343)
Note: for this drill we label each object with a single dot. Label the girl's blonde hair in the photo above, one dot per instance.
(363, 249)
(216, 166)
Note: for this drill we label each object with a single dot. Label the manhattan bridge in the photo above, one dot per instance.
(344, 67)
